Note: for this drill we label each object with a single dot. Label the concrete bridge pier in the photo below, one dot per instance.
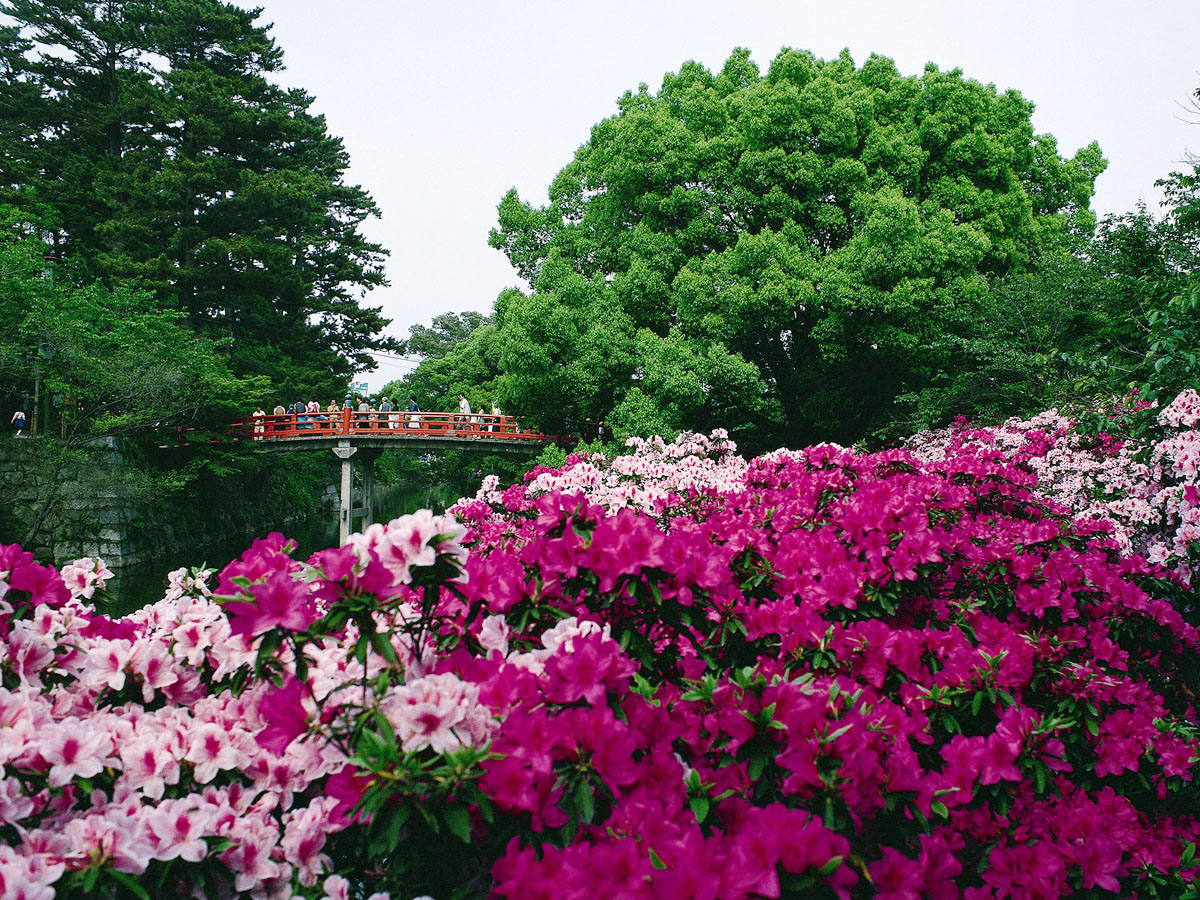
(348, 512)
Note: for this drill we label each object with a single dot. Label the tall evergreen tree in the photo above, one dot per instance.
(171, 160)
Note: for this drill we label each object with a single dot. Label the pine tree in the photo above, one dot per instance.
(173, 162)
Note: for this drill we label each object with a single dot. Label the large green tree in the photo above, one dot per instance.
(1145, 291)
(114, 362)
(460, 356)
(443, 334)
(784, 253)
(172, 159)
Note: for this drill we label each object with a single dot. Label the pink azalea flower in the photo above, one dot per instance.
(493, 635)
(27, 877)
(154, 663)
(210, 749)
(43, 583)
(304, 838)
(104, 665)
(149, 764)
(178, 827)
(74, 750)
(896, 877)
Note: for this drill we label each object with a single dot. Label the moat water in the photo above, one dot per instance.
(132, 587)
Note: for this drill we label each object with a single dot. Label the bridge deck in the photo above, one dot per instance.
(384, 430)
(349, 434)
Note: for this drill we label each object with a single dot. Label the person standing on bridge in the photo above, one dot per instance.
(464, 410)
(496, 414)
(413, 419)
(259, 427)
(385, 409)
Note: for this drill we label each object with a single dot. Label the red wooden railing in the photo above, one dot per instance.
(396, 424)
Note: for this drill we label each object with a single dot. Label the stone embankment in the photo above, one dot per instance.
(105, 503)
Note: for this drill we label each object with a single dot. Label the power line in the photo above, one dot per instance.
(396, 362)
(407, 358)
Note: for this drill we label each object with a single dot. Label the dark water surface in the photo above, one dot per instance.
(132, 587)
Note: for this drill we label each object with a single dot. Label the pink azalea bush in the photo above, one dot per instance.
(1133, 466)
(675, 674)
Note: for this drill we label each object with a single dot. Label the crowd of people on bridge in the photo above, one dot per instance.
(309, 415)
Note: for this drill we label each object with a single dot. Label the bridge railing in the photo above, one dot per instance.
(398, 423)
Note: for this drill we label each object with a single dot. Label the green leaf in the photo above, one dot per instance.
(700, 807)
(832, 866)
(387, 839)
(458, 820)
(382, 645)
(837, 734)
(130, 884)
(756, 767)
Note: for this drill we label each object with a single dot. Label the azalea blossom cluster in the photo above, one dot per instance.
(654, 475)
(815, 673)
(1148, 488)
(979, 696)
(138, 752)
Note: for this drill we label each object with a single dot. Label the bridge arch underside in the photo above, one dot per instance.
(365, 449)
(417, 442)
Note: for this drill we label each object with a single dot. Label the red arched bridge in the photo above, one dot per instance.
(351, 435)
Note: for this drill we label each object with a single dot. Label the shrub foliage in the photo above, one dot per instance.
(674, 674)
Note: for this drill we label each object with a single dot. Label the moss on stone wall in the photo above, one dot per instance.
(127, 505)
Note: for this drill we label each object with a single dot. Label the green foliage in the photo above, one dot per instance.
(792, 251)
(553, 457)
(1020, 344)
(1140, 279)
(444, 333)
(113, 362)
(1174, 347)
(462, 362)
(115, 359)
(156, 134)
(461, 356)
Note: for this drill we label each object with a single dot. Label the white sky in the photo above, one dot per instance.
(445, 105)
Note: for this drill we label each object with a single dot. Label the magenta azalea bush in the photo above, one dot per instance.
(927, 672)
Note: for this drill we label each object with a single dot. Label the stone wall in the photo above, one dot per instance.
(107, 510)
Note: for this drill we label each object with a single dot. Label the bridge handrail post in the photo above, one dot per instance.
(347, 412)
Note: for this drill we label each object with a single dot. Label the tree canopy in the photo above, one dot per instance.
(113, 357)
(173, 161)
(113, 362)
(791, 251)
(443, 334)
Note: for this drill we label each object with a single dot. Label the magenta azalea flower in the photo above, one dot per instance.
(279, 602)
(283, 711)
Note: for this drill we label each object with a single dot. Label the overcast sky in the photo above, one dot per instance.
(445, 105)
